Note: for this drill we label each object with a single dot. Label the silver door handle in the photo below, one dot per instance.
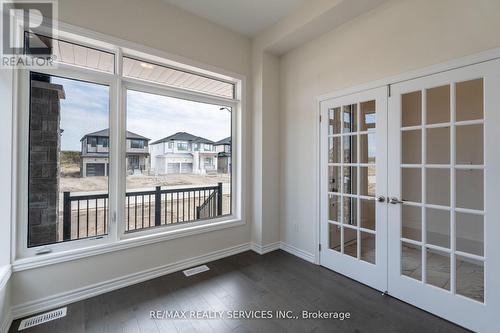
(381, 198)
(395, 200)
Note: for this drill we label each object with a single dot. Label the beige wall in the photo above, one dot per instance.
(396, 37)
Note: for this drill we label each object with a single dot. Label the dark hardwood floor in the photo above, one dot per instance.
(275, 281)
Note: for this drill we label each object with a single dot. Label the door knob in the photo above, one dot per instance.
(381, 198)
(395, 200)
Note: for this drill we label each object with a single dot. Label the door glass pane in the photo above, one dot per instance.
(334, 237)
(350, 149)
(334, 122)
(411, 147)
(411, 222)
(411, 260)
(438, 105)
(470, 278)
(334, 179)
(470, 101)
(334, 150)
(368, 180)
(350, 211)
(438, 227)
(438, 145)
(350, 242)
(411, 187)
(438, 186)
(367, 243)
(334, 208)
(411, 105)
(470, 189)
(368, 116)
(350, 180)
(367, 213)
(469, 144)
(438, 269)
(350, 116)
(470, 233)
(367, 148)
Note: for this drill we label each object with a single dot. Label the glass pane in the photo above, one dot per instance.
(438, 186)
(68, 159)
(411, 147)
(368, 148)
(334, 179)
(470, 144)
(438, 105)
(350, 242)
(334, 237)
(176, 78)
(438, 145)
(350, 211)
(367, 213)
(367, 243)
(368, 180)
(411, 105)
(334, 122)
(470, 278)
(178, 161)
(334, 150)
(411, 222)
(350, 180)
(368, 116)
(438, 227)
(350, 149)
(470, 233)
(411, 260)
(470, 189)
(350, 116)
(470, 101)
(438, 269)
(333, 208)
(411, 184)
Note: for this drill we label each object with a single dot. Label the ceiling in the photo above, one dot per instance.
(248, 17)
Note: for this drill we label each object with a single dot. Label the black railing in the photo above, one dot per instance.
(86, 215)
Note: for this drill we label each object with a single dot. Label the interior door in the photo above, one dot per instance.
(354, 180)
(444, 212)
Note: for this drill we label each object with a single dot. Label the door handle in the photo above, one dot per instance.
(395, 201)
(381, 198)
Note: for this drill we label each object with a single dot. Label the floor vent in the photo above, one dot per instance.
(196, 270)
(43, 318)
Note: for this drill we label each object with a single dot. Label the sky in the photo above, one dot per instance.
(86, 110)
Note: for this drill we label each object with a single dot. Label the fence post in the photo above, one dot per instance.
(66, 216)
(219, 199)
(158, 206)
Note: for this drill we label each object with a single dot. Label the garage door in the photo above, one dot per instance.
(187, 168)
(173, 167)
(95, 169)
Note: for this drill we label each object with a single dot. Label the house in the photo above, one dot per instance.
(223, 149)
(95, 153)
(183, 153)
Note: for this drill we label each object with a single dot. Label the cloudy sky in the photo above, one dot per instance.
(86, 110)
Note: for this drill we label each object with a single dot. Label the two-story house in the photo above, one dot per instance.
(94, 159)
(223, 149)
(183, 153)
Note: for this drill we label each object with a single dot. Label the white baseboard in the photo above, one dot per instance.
(5, 324)
(79, 294)
(263, 249)
(298, 252)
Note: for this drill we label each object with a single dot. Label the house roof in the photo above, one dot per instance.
(226, 141)
(105, 134)
(183, 136)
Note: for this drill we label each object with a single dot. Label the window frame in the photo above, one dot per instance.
(116, 239)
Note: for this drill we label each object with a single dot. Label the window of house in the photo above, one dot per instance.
(182, 146)
(170, 145)
(137, 144)
(102, 141)
(93, 141)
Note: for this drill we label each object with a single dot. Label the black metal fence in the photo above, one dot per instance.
(86, 215)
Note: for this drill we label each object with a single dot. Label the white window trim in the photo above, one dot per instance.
(26, 258)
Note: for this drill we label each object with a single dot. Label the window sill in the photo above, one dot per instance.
(123, 244)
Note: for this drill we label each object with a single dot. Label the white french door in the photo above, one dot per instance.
(409, 192)
(444, 213)
(353, 169)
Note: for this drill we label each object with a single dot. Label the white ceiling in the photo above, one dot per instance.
(248, 17)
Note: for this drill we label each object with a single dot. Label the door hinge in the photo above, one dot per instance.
(319, 247)
(320, 118)
(389, 90)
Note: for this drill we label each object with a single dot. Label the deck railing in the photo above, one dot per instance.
(86, 215)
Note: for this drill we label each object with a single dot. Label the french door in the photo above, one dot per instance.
(434, 241)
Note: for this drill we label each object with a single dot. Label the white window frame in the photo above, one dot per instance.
(26, 258)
